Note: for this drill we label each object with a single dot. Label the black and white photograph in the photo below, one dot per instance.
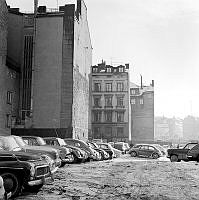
(99, 99)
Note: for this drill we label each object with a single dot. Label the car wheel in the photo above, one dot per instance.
(11, 183)
(174, 158)
(155, 156)
(34, 188)
(133, 154)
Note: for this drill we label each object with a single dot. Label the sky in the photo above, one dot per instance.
(158, 38)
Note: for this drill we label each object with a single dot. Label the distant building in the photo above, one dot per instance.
(191, 128)
(169, 129)
(109, 89)
(142, 113)
(54, 84)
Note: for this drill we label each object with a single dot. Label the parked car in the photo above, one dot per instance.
(122, 146)
(104, 154)
(23, 170)
(93, 155)
(77, 155)
(178, 154)
(16, 143)
(64, 152)
(146, 150)
(108, 148)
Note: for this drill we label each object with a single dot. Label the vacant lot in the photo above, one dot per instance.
(123, 178)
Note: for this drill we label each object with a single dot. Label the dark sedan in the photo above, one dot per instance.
(146, 150)
(104, 154)
(77, 154)
(16, 143)
(93, 155)
(23, 170)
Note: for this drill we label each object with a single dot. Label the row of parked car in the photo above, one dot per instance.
(27, 162)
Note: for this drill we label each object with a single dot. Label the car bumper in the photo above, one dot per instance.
(40, 181)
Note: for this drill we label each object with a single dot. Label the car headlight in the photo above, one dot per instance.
(49, 160)
(32, 170)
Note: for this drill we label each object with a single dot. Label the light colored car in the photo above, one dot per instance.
(122, 146)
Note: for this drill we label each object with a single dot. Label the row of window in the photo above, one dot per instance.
(108, 132)
(141, 101)
(108, 87)
(108, 69)
(108, 101)
(108, 116)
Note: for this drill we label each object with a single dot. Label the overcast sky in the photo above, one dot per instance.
(158, 38)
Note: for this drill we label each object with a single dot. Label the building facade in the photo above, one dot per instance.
(54, 53)
(109, 102)
(142, 113)
(9, 78)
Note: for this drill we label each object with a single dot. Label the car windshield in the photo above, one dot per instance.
(91, 145)
(20, 141)
(189, 146)
(95, 145)
(41, 141)
(61, 142)
(9, 144)
(159, 147)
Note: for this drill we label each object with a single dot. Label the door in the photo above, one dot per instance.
(143, 151)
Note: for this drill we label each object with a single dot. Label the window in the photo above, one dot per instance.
(120, 116)
(132, 91)
(151, 148)
(8, 121)
(9, 97)
(108, 132)
(108, 69)
(120, 87)
(108, 101)
(121, 69)
(95, 69)
(97, 116)
(97, 101)
(96, 132)
(141, 101)
(108, 87)
(97, 87)
(120, 101)
(108, 116)
(120, 131)
(133, 101)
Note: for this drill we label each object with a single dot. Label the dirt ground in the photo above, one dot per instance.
(123, 178)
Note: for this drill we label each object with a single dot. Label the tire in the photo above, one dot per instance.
(174, 158)
(12, 183)
(155, 156)
(133, 154)
(34, 188)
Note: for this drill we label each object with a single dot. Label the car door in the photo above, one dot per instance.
(150, 151)
(143, 150)
(194, 152)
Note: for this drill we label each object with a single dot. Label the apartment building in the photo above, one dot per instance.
(109, 102)
(142, 113)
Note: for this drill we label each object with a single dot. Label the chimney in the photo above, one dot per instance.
(141, 80)
(127, 66)
(41, 9)
(152, 83)
(79, 9)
